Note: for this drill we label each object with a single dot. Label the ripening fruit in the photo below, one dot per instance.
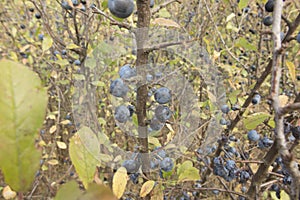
(223, 121)
(149, 77)
(66, 5)
(256, 99)
(38, 15)
(156, 125)
(41, 36)
(298, 37)
(118, 88)
(121, 8)
(122, 114)
(269, 6)
(75, 2)
(253, 136)
(282, 35)
(235, 107)
(83, 8)
(130, 165)
(131, 109)
(127, 72)
(151, 3)
(167, 164)
(225, 109)
(268, 20)
(162, 95)
(77, 62)
(162, 113)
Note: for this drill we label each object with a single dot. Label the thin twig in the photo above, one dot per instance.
(163, 5)
(112, 20)
(288, 108)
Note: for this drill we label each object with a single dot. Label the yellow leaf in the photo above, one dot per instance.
(170, 127)
(165, 22)
(52, 129)
(51, 116)
(211, 96)
(14, 32)
(283, 100)
(157, 193)
(154, 141)
(292, 70)
(61, 145)
(65, 122)
(72, 46)
(119, 182)
(53, 162)
(42, 143)
(47, 43)
(230, 17)
(7, 193)
(44, 168)
(54, 74)
(146, 188)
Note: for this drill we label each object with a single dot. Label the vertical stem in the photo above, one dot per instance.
(143, 11)
(280, 142)
(279, 128)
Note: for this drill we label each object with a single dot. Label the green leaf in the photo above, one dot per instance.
(47, 43)
(164, 13)
(154, 141)
(98, 83)
(187, 172)
(292, 70)
(79, 77)
(84, 152)
(234, 95)
(252, 121)
(72, 46)
(96, 192)
(62, 62)
(243, 4)
(23, 104)
(90, 63)
(243, 43)
(230, 26)
(283, 195)
(69, 190)
(185, 165)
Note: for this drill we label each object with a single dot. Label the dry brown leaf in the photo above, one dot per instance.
(165, 22)
(7, 193)
(283, 100)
